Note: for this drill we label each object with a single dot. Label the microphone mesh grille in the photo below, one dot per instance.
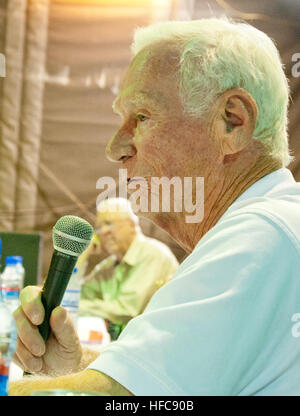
(74, 228)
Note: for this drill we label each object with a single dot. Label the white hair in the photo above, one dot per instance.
(218, 54)
(121, 206)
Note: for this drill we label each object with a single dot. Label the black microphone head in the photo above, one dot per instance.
(72, 235)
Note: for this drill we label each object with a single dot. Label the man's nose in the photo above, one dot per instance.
(120, 147)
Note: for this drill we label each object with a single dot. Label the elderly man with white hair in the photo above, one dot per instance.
(120, 286)
(206, 99)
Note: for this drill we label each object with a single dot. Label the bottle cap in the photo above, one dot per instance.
(18, 258)
(10, 261)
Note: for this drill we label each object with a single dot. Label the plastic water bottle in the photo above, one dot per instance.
(71, 297)
(11, 283)
(20, 268)
(8, 340)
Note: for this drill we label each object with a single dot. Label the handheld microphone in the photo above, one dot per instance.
(71, 236)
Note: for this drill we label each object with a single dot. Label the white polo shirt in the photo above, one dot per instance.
(228, 323)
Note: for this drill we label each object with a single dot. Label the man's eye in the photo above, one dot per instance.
(141, 117)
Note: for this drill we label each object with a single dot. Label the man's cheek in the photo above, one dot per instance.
(156, 156)
(150, 148)
(145, 130)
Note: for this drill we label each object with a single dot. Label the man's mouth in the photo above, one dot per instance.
(142, 181)
(130, 180)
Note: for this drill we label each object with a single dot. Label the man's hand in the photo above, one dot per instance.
(61, 354)
(88, 381)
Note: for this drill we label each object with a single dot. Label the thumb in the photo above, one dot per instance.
(63, 328)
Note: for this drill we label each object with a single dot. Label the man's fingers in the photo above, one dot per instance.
(29, 334)
(26, 359)
(30, 298)
(17, 361)
(63, 329)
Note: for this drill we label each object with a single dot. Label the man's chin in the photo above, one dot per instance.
(161, 219)
(110, 250)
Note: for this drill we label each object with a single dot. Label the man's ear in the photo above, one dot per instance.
(235, 119)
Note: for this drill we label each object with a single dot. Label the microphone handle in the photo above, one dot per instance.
(60, 271)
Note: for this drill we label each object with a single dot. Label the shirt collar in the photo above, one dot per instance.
(266, 184)
(261, 188)
(132, 254)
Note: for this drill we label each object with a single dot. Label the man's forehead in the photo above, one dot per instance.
(147, 77)
(110, 215)
(130, 96)
(162, 58)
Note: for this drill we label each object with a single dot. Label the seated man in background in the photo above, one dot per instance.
(120, 286)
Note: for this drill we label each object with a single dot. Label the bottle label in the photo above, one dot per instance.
(71, 299)
(4, 370)
(3, 379)
(10, 293)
